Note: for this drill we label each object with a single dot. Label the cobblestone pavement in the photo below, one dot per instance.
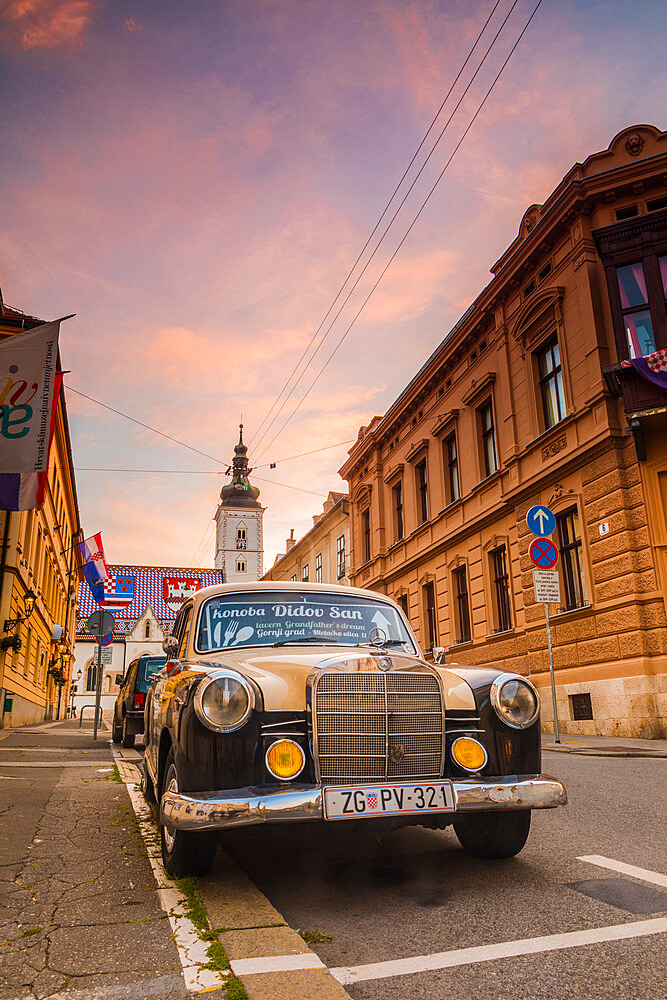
(81, 915)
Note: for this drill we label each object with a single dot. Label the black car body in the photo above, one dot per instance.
(128, 712)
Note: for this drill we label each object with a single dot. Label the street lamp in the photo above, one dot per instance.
(29, 601)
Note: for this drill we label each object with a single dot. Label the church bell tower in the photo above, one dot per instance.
(239, 544)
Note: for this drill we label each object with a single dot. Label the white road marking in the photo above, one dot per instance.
(645, 874)
(276, 963)
(490, 952)
(192, 951)
(49, 763)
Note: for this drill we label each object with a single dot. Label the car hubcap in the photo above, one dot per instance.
(170, 835)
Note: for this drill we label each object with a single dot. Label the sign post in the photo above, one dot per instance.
(544, 554)
(101, 622)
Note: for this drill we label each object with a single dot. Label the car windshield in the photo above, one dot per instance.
(267, 618)
(149, 667)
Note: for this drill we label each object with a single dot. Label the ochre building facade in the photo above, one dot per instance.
(36, 554)
(321, 555)
(525, 402)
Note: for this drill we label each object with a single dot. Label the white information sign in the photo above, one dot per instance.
(106, 654)
(547, 586)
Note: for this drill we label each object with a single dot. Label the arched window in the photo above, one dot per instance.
(147, 629)
(240, 532)
(241, 536)
(240, 565)
(90, 677)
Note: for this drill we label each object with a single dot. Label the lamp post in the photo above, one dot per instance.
(13, 641)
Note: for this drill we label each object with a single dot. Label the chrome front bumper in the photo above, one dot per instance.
(299, 803)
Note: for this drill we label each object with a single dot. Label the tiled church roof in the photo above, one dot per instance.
(148, 589)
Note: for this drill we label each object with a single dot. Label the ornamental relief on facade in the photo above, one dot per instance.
(551, 449)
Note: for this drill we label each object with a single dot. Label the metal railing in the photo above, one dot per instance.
(83, 709)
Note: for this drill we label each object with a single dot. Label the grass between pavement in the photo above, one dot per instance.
(218, 961)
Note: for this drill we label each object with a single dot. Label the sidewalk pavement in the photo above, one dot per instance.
(604, 746)
(81, 918)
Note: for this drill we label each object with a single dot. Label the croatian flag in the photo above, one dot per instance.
(118, 591)
(652, 367)
(94, 566)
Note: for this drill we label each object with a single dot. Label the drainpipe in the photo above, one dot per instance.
(3, 563)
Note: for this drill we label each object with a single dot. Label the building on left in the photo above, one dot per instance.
(37, 558)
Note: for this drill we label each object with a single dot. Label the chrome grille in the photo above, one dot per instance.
(363, 720)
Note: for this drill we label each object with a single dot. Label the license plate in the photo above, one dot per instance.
(371, 801)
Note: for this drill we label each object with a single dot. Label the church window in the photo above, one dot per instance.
(147, 630)
(240, 565)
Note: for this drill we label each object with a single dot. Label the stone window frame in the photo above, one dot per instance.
(490, 546)
(455, 566)
(446, 426)
(540, 319)
(318, 568)
(561, 500)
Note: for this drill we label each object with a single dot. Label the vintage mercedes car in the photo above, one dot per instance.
(295, 702)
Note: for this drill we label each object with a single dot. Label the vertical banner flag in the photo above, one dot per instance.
(94, 566)
(29, 384)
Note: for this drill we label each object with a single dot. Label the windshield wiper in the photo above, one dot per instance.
(387, 642)
(307, 638)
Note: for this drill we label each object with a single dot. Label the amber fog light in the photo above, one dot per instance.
(285, 759)
(469, 754)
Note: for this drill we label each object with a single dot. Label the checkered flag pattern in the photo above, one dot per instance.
(148, 589)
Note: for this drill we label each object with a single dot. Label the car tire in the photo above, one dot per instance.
(183, 852)
(116, 731)
(128, 738)
(493, 835)
(148, 787)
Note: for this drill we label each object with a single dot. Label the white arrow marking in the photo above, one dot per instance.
(542, 516)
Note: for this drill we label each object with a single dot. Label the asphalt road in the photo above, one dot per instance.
(414, 892)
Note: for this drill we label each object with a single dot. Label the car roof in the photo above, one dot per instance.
(259, 586)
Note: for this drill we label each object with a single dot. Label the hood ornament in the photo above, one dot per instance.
(377, 637)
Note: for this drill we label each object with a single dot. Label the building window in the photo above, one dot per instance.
(551, 383)
(147, 630)
(635, 308)
(581, 706)
(305, 573)
(293, 578)
(240, 565)
(488, 438)
(340, 557)
(397, 505)
(422, 491)
(451, 467)
(570, 553)
(501, 584)
(403, 604)
(462, 604)
(318, 568)
(240, 533)
(429, 611)
(366, 535)
(91, 678)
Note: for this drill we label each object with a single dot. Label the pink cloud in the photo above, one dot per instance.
(45, 24)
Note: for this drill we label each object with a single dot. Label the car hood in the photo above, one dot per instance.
(282, 675)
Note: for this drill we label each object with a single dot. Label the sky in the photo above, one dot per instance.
(195, 180)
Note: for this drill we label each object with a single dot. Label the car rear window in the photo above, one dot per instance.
(149, 667)
(267, 618)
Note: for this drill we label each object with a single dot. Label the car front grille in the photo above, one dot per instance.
(373, 725)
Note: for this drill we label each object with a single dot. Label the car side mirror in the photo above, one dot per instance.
(119, 678)
(170, 645)
(438, 654)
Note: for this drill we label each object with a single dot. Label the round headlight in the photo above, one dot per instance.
(285, 759)
(515, 700)
(224, 700)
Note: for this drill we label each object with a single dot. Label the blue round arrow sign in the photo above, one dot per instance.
(541, 520)
(543, 553)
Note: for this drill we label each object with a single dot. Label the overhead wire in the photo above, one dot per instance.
(408, 231)
(395, 215)
(377, 224)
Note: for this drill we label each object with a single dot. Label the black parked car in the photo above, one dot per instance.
(309, 702)
(128, 712)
